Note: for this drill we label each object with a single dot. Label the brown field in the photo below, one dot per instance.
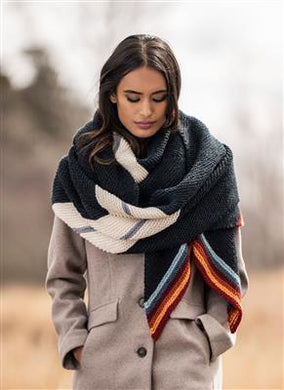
(29, 345)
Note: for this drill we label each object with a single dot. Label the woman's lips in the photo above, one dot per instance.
(144, 125)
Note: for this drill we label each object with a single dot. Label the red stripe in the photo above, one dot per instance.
(168, 293)
(163, 321)
(219, 276)
(235, 313)
(212, 284)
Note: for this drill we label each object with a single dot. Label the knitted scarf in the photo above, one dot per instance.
(178, 203)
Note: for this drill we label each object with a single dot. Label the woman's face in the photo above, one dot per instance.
(141, 96)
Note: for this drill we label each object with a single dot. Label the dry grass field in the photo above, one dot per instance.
(29, 346)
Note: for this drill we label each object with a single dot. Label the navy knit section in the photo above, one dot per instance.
(190, 172)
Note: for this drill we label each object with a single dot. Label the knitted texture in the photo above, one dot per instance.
(178, 203)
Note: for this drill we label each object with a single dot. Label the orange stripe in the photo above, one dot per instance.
(223, 282)
(234, 321)
(235, 314)
(154, 327)
(173, 294)
(220, 282)
(169, 293)
(201, 256)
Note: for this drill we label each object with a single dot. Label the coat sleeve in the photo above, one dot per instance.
(214, 323)
(65, 283)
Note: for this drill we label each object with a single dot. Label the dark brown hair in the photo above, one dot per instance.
(131, 53)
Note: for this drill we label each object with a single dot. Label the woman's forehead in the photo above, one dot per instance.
(143, 79)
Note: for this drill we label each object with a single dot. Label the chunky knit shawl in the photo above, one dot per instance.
(178, 203)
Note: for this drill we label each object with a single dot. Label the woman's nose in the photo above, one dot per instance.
(146, 108)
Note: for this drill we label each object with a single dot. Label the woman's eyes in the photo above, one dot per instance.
(155, 100)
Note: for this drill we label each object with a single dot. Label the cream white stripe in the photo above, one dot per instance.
(68, 213)
(126, 157)
(114, 206)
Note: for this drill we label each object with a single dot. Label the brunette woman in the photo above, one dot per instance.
(147, 221)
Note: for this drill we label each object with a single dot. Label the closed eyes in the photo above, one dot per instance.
(154, 100)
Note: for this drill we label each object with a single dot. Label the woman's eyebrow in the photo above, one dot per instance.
(140, 93)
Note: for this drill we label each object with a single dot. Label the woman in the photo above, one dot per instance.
(146, 215)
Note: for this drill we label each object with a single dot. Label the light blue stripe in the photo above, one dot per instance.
(84, 229)
(125, 208)
(220, 264)
(173, 269)
(134, 229)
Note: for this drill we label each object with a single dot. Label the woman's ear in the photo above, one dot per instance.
(113, 98)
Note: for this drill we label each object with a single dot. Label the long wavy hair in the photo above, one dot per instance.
(131, 53)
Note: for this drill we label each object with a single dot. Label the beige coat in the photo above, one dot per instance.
(118, 352)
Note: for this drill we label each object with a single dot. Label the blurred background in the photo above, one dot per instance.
(230, 55)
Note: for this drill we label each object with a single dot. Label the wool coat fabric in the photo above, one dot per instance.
(110, 323)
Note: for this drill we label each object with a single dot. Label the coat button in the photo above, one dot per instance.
(141, 302)
(200, 324)
(141, 351)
